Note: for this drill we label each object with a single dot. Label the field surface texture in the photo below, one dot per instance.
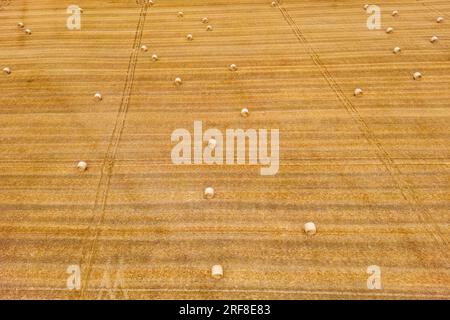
(371, 171)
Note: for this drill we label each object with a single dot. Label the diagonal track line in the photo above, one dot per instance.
(408, 194)
(89, 248)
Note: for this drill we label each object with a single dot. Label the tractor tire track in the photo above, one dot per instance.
(89, 249)
(407, 193)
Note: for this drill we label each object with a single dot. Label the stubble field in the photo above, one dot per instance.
(371, 171)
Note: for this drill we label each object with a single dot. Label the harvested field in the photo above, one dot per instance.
(371, 171)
